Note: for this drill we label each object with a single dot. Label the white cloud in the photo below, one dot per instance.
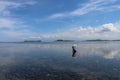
(57, 15)
(105, 31)
(109, 28)
(30, 2)
(7, 23)
(13, 35)
(92, 5)
(5, 6)
(10, 23)
(13, 29)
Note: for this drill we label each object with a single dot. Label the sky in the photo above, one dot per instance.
(59, 19)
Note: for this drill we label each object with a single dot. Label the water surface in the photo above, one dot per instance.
(56, 61)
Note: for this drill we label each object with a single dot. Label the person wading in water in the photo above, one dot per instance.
(73, 51)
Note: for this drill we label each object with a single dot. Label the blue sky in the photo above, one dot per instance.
(59, 19)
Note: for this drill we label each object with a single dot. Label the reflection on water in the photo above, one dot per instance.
(53, 61)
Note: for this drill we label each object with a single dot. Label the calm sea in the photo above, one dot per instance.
(57, 61)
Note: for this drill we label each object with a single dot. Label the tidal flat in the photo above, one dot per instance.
(56, 61)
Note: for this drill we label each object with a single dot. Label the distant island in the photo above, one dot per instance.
(32, 41)
(61, 40)
(101, 40)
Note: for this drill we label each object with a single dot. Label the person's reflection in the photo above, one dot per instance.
(73, 51)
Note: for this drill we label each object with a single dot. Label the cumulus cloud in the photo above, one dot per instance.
(105, 31)
(90, 6)
(109, 28)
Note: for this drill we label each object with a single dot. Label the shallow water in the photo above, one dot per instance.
(56, 61)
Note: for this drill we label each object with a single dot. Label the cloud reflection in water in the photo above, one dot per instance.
(53, 60)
